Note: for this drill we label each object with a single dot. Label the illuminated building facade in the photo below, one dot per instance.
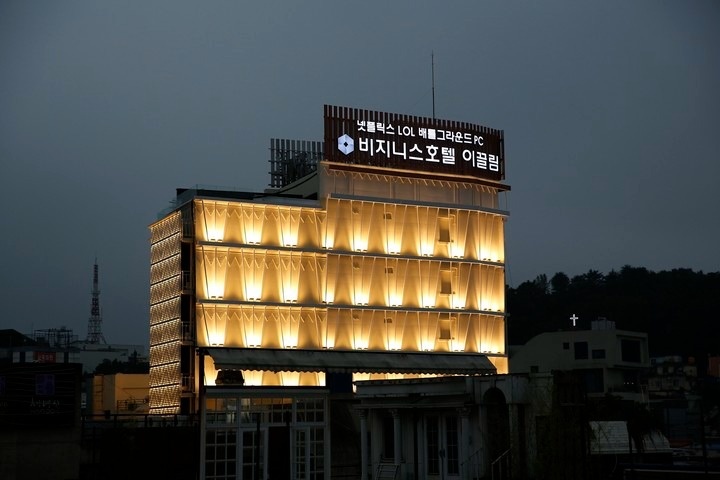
(386, 262)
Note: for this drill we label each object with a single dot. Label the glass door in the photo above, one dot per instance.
(442, 447)
(253, 455)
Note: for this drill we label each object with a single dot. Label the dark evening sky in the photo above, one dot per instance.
(609, 109)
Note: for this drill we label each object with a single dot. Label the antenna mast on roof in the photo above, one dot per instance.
(432, 68)
(95, 321)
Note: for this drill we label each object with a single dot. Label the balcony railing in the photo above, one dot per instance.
(186, 333)
(188, 384)
(130, 405)
(187, 282)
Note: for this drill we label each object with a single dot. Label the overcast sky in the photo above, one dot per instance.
(610, 109)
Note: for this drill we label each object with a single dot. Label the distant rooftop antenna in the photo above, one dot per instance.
(432, 68)
(95, 321)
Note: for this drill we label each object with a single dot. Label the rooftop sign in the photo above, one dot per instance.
(366, 137)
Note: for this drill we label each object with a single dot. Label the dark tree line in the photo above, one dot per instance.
(678, 308)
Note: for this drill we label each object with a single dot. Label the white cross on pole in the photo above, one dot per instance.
(574, 318)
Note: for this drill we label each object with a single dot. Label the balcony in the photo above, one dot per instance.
(187, 283)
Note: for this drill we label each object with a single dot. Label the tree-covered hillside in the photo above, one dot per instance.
(679, 309)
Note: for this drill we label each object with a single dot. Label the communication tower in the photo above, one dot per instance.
(95, 321)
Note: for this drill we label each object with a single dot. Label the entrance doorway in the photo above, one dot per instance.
(279, 453)
(442, 446)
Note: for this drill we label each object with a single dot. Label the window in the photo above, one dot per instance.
(445, 325)
(566, 345)
(630, 378)
(593, 380)
(452, 444)
(581, 350)
(220, 454)
(598, 353)
(445, 282)
(253, 454)
(45, 384)
(444, 230)
(630, 350)
(310, 410)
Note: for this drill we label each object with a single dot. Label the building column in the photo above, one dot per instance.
(480, 446)
(465, 442)
(517, 436)
(363, 445)
(397, 453)
(202, 392)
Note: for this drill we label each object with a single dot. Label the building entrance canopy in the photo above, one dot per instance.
(343, 361)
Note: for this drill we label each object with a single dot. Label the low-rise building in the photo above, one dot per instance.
(608, 360)
(62, 345)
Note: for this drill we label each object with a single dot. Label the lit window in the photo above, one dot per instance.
(445, 282)
(444, 230)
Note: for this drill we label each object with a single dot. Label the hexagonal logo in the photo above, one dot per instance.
(346, 144)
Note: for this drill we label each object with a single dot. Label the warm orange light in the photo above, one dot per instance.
(215, 234)
(456, 250)
(360, 333)
(253, 271)
(360, 245)
(253, 378)
(289, 277)
(290, 379)
(216, 290)
(491, 335)
(395, 278)
(214, 269)
(361, 277)
(327, 232)
(253, 291)
(289, 328)
(361, 297)
(458, 301)
(212, 217)
(289, 227)
(253, 237)
(253, 221)
(393, 324)
(253, 323)
(358, 377)
(215, 321)
(327, 328)
(427, 298)
(328, 242)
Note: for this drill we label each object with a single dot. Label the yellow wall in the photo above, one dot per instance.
(127, 388)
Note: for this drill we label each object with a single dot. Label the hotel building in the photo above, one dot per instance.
(383, 263)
